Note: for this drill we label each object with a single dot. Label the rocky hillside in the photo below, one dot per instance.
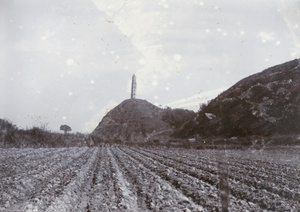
(266, 103)
(136, 120)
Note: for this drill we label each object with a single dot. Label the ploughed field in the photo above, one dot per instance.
(122, 178)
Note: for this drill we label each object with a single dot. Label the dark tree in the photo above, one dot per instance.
(65, 128)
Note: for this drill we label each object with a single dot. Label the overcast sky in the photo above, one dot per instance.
(70, 61)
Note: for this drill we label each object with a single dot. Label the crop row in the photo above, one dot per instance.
(243, 185)
(200, 186)
(122, 178)
(39, 178)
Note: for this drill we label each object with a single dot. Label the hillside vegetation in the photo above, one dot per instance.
(136, 120)
(11, 136)
(265, 104)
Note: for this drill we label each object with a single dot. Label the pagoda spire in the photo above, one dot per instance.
(133, 87)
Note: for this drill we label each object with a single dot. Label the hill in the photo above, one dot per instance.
(266, 103)
(136, 120)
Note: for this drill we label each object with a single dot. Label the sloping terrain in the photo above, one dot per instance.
(136, 120)
(266, 103)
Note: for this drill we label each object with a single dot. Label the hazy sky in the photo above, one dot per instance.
(70, 61)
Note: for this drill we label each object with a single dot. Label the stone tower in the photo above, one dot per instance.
(133, 87)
